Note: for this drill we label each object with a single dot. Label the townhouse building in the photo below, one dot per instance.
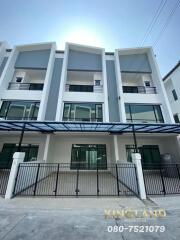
(171, 83)
(85, 108)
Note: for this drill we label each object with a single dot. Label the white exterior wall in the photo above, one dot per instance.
(160, 98)
(65, 96)
(8, 73)
(3, 46)
(173, 82)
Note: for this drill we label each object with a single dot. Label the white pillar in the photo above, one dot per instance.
(116, 149)
(46, 150)
(18, 157)
(136, 159)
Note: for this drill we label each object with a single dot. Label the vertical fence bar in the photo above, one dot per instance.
(117, 179)
(164, 190)
(16, 180)
(77, 181)
(35, 186)
(56, 185)
(97, 173)
(178, 171)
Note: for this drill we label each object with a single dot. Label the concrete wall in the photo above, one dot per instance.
(2, 65)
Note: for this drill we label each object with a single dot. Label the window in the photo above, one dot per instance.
(88, 156)
(91, 112)
(176, 118)
(174, 95)
(97, 82)
(19, 110)
(6, 156)
(143, 113)
(147, 84)
(19, 79)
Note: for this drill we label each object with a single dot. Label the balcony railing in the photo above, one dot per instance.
(83, 88)
(26, 86)
(83, 119)
(139, 89)
(17, 118)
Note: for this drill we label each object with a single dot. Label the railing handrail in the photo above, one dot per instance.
(26, 83)
(68, 84)
(140, 89)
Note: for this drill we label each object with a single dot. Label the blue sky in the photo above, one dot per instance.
(110, 24)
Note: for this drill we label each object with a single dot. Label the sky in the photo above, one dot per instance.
(110, 24)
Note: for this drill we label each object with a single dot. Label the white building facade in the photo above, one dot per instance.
(86, 85)
(171, 83)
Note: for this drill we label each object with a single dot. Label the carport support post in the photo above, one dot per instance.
(18, 158)
(21, 138)
(135, 140)
(136, 159)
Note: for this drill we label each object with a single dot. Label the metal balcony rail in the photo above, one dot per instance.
(139, 89)
(83, 88)
(161, 179)
(83, 119)
(26, 86)
(75, 179)
(2, 117)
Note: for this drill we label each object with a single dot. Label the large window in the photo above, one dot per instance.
(6, 156)
(143, 113)
(19, 110)
(91, 112)
(88, 156)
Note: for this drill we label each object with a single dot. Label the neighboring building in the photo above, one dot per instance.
(86, 85)
(171, 83)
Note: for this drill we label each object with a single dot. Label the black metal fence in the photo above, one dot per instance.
(162, 179)
(4, 177)
(57, 179)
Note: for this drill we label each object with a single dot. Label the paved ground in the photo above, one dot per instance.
(81, 218)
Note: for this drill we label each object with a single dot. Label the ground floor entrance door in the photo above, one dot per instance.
(87, 156)
(150, 154)
(6, 156)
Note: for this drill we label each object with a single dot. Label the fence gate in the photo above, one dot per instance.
(4, 177)
(162, 179)
(64, 179)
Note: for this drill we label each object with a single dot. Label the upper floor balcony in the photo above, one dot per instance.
(27, 79)
(84, 81)
(138, 83)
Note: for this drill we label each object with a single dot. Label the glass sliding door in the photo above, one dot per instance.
(19, 110)
(89, 112)
(143, 113)
(6, 156)
(87, 156)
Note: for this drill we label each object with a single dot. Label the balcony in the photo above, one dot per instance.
(139, 89)
(26, 86)
(84, 88)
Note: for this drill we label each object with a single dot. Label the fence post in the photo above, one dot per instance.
(35, 186)
(77, 181)
(136, 158)
(18, 158)
(164, 189)
(56, 180)
(97, 172)
(117, 179)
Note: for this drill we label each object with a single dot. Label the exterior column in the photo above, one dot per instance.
(18, 158)
(116, 149)
(136, 159)
(46, 150)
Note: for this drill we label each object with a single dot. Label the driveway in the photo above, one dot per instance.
(82, 218)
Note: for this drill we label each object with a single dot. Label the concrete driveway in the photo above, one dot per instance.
(82, 218)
